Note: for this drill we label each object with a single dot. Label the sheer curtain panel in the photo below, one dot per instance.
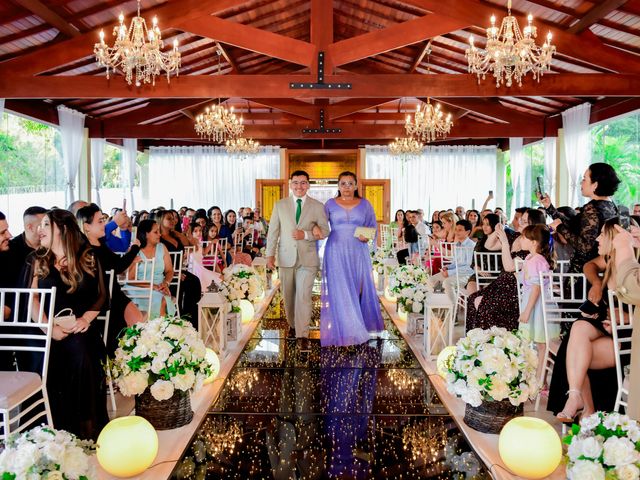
(97, 161)
(442, 177)
(71, 137)
(1, 107)
(577, 147)
(518, 174)
(128, 168)
(207, 176)
(550, 145)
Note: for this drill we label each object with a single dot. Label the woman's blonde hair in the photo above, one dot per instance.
(77, 258)
(449, 217)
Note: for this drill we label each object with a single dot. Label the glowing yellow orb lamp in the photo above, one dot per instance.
(389, 295)
(214, 361)
(127, 446)
(530, 447)
(444, 357)
(247, 310)
(402, 314)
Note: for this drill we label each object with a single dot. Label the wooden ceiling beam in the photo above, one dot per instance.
(596, 13)
(321, 33)
(49, 16)
(488, 107)
(423, 53)
(349, 107)
(278, 86)
(583, 46)
(155, 110)
(227, 57)
(250, 38)
(292, 106)
(48, 57)
(184, 129)
(391, 38)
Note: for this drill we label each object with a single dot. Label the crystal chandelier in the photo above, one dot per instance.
(242, 146)
(510, 53)
(429, 123)
(137, 51)
(217, 123)
(406, 147)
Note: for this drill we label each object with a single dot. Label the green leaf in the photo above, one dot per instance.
(8, 476)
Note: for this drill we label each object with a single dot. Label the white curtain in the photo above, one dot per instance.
(205, 176)
(71, 137)
(442, 177)
(550, 181)
(577, 147)
(128, 168)
(97, 161)
(1, 107)
(518, 163)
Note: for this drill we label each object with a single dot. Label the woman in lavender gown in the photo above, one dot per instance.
(350, 308)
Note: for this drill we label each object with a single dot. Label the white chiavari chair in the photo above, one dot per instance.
(187, 259)
(27, 329)
(621, 316)
(176, 263)
(466, 255)
(488, 266)
(562, 266)
(561, 295)
(137, 283)
(384, 235)
(105, 317)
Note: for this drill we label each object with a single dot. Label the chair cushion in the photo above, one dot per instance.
(15, 387)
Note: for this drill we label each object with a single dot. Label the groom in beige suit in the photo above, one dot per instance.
(291, 236)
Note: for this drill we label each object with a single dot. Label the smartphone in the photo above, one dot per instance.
(124, 205)
(538, 179)
(490, 192)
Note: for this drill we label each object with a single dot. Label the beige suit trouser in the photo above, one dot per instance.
(296, 283)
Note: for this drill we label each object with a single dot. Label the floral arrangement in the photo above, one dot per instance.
(240, 282)
(378, 256)
(165, 354)
(49, 454)
(409, 284)
(604, 446)
(493, 365)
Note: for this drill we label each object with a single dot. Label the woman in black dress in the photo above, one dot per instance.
(76, 380)
(123, 311)
(586, 355)
(497, 303)
(599, 183)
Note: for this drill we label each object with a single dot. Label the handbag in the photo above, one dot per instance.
(65, 318)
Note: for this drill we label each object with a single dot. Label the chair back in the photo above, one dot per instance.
(137, 282)
(187, 261)
(237, 240)
(176, 262)
(385, 231)
(104, 317)
(447, 253)
(561, 294)
(621, 316)
(487, 267)
(28, 328)
(562, 266)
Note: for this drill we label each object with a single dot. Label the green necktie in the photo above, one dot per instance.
(298, 209)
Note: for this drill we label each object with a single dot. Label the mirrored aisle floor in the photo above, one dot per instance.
(293, 411)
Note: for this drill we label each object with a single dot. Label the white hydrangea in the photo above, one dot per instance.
(619, 452)
(162, 390)
(628, 472)
(586, 470)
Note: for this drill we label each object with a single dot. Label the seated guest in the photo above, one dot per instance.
(228, 227)
(215, 218)
(22, 245)
(497, 303)
(76, 379)
(636, 209)
(473, 216)
(449, 221)
(118, 232)
(435, 216)
(435, 264)
(150, 247)
(196, 234)
(409, 234)
(458, 272)
(460, 212)
(488, 243)
(586, 355)
(123, 311)
(261, 224)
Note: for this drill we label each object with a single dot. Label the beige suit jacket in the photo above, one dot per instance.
(280, 242)
(628, 281)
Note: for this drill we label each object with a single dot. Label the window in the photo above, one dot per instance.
(617, 142)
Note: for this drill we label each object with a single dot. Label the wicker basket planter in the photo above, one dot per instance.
(165, 414)
(490, 417)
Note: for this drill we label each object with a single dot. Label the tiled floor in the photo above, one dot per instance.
(294, 411)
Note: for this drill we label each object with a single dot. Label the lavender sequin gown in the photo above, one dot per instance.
(350, 307)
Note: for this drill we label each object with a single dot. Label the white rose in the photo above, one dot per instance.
(74, 463)
(157, 365)
(473, 397)
(589, 447)
(590, 422)
(54, 475)
(134, 383)
(585, 470)
(633, 432)
(499, 390)
(611, 421)
(162, 390)
(619, 451)
(492, 359)
(53, 450)
(173, 331)
(184, 382)
(416, 307)
(628, 472)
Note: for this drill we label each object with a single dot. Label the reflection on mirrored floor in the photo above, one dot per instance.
(293, 410)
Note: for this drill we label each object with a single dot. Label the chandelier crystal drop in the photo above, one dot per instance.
(510, 53)
(218, 124)
(137, 52)
(406, 147)
(429, 123)
(242, 146)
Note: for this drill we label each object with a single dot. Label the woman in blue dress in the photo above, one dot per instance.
(350, 308)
